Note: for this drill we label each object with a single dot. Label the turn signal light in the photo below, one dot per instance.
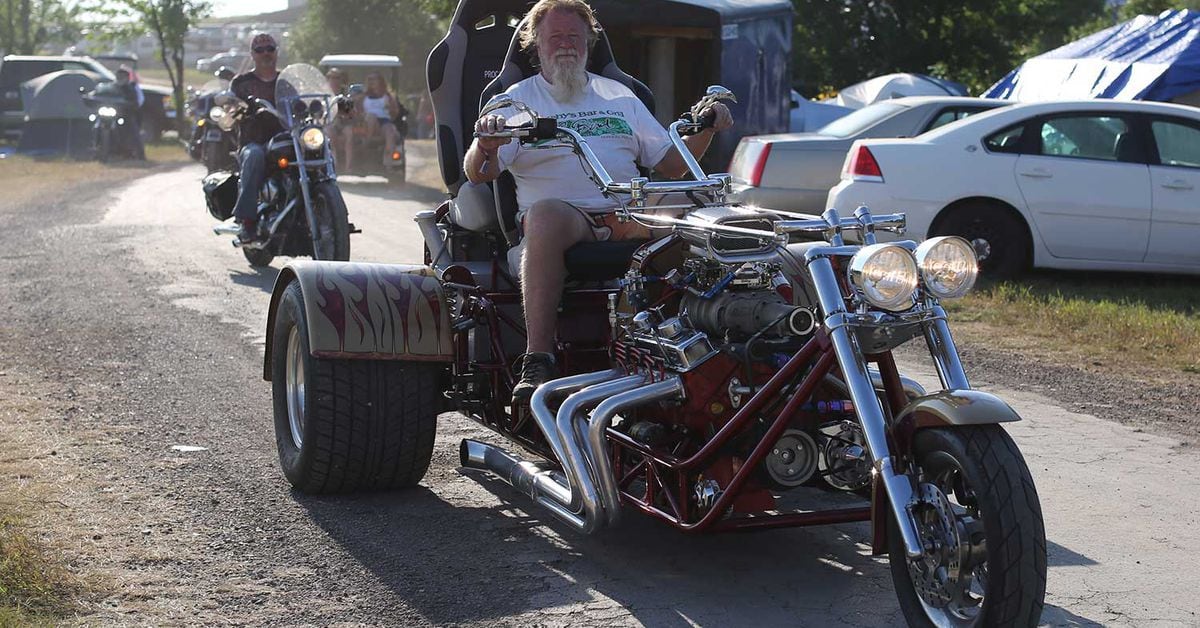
(863, 166)
(396, 155)
(200, 122)
(283, 163)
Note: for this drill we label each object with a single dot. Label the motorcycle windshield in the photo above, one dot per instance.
(300, 79)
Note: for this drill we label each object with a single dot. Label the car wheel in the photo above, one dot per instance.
(1000, 238)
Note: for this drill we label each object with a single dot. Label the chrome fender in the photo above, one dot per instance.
(950, 408)
(367, 311)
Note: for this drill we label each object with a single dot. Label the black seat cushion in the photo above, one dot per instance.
(600, 261)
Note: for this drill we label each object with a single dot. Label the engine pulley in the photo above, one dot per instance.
(793, 459)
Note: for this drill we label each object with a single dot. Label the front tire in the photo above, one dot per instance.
(343, 426)
(992, 570)
(333, 223)
(1003, 236)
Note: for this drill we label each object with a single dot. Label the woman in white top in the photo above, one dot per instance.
(378, 108)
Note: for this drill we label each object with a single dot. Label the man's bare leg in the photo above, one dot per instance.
(551, 227)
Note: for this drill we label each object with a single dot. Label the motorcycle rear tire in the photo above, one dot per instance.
(330, 210)
(259, 257)
(364, 425)
(987, 460)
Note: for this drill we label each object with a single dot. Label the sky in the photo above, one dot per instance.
(226, 8)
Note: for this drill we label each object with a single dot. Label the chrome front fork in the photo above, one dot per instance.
(899, 487)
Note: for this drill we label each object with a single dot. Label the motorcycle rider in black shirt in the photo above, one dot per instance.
(255, 131)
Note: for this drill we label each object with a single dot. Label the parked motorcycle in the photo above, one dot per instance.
(740, 356)
(113, 134)
(211, 145)
(301, 210)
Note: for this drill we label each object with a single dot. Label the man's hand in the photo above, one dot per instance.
(490, 124)
(481, 164)
(724, 119)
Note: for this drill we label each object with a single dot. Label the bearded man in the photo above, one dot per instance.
(558, 205)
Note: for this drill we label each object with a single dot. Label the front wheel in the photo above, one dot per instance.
(979, 517)
(332, 223)
(343, 426)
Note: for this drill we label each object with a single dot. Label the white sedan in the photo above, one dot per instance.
(1101, 184)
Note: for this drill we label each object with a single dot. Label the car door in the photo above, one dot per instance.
(1087, 186)
(1175, 188)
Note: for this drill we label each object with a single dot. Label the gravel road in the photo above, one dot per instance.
(129, 328)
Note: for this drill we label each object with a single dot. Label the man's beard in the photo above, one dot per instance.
(567, 74)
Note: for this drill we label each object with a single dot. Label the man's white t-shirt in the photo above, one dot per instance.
(617, 127)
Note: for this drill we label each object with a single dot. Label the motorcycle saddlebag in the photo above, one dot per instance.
(220, 194)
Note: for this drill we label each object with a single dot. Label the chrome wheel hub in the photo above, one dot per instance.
(951, 577)
(295, 387)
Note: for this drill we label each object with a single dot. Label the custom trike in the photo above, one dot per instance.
(717, 376)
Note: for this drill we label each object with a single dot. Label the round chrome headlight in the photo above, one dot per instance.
(312, 138)
(107, 112)
(948, 266)
(216, 113)
(886, 275)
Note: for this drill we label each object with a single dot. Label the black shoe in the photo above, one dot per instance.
(248, 232)
(536, 369)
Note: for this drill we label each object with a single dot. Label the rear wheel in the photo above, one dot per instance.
(258, 257)
(979, 510)
(1000, 238)
(333, 223)
(348, 425)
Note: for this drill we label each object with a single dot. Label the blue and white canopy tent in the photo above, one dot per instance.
(1151, 57)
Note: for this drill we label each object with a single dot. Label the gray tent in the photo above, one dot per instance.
(56, 118)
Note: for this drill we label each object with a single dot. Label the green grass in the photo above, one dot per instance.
(34, 588)
(1142, 322)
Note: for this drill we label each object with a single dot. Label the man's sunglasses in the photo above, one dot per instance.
(262, 49)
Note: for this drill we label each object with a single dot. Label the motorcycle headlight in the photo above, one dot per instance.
(312, 138)
(107, 112)
(216, 113)
(886, 275)
(948, 266)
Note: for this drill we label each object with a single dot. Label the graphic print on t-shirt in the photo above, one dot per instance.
(595, 123)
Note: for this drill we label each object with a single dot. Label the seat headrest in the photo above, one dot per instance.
(520, 64)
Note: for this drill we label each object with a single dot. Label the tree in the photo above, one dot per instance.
(27, 25)
(405, 28)
(1130, 10)
(975, 42)
(168, 21)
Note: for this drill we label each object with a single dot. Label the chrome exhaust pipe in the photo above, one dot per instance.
(226, 229)
(526, 477)
(542, 485)
(597, 437)
(578, 468)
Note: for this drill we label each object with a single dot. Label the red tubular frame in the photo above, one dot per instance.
(656, 465)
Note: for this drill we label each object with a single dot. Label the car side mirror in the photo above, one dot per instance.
(356, 89)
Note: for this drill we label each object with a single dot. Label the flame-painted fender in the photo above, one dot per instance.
(367, 311)
(950, 408)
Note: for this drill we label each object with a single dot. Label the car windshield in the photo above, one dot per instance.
(860, 120)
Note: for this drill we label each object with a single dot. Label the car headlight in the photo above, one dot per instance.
(107, 112)
(312, 138)
(948, 266)
(886, 275)
(216, 113)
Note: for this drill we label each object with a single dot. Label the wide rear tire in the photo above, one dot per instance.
(983, 475)
(343, 426)
(333, 223)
